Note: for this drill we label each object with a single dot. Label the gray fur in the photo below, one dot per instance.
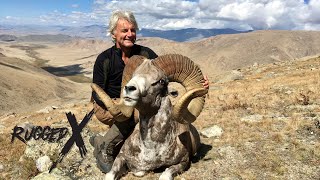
(157, 141)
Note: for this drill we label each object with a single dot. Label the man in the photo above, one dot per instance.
(107, 73)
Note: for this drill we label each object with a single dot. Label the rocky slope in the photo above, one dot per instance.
(261, 119)
(215, 55)
(263, 123)
(24, 87)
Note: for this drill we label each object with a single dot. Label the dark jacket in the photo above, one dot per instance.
(111, 82)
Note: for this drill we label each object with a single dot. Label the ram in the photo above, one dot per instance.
(164, 136)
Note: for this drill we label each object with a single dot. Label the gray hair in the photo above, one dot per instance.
(118, 14)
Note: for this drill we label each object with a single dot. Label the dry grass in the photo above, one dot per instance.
(285, 99)
(10, 157)
(282, 141)
(10, 153)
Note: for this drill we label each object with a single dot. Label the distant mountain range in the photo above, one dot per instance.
(100, 32)
(190, 34)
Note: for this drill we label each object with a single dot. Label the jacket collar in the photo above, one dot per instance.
(118, 51)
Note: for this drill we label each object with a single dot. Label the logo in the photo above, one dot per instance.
(55, 134)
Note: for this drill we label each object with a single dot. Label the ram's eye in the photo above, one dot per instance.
(162, 82)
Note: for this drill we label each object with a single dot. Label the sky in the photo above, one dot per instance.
(168, 14)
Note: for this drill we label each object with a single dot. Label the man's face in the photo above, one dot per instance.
(124, 34)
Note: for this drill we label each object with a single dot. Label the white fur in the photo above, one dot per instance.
(151, 150)
(166, 175)
(109, 176)
(134, 95)
(155, 141)
(140, 173)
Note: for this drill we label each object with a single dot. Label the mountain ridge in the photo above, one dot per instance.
(100, 32)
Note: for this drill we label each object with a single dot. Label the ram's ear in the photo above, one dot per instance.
(172, 92)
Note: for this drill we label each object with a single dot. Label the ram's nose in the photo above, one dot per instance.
(129, 88)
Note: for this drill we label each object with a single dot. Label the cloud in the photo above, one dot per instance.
(157, 14)
(237, 14)
(75, 5)
(314, 11)
(75, 18)
(177, 14)
(258, 15)
(9, 19)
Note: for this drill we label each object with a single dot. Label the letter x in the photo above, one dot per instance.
(76, 137)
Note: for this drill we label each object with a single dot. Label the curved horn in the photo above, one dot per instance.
(130, 67)
(119, 111)
(182, 70)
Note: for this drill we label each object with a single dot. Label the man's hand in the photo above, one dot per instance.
(206, 82)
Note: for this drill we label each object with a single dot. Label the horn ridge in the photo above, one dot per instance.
(183, 70)
(130, 67)
(119, 113)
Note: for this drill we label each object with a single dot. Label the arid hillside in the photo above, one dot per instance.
(264, 125)
(262, 109)
(25, 87)
(215, 55)
(227, 52)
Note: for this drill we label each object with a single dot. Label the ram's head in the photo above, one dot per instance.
(140, 76)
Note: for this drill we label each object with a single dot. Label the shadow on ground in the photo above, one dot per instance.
(203, 150)
(72, 72)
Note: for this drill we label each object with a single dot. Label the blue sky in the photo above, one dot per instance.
(40, 7)
(29, 11)
(168, 14)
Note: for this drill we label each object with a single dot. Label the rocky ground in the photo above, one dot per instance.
(259, 122)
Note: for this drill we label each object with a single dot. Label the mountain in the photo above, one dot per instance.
(190, 34)
(52, 38)
(100, 32)
(7, 37)
(264, 125)
(25, 87)
(93, 31)
(222, 53)
(215, 55)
